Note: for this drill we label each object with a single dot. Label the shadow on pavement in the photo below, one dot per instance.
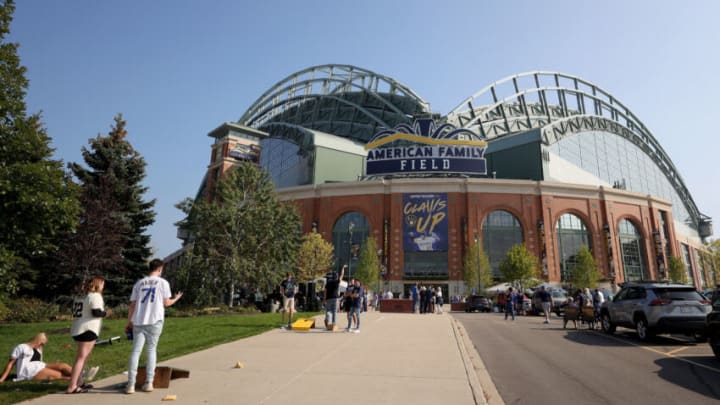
(690, 374)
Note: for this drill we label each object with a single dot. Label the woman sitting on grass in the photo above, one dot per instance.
(27, 359)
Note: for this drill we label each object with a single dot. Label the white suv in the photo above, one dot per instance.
(652, 308)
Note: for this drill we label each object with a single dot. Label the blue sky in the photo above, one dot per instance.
(178, 69)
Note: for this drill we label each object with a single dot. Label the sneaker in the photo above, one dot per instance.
(356, 330)
(148, 387)
(130, 389)
(92, 373)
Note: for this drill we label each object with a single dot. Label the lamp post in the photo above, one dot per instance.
(477, 262)
(351, 225)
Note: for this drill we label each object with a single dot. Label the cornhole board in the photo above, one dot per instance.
(303, 324)
(163, 375)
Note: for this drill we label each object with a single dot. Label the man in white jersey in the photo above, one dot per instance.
(146, 315)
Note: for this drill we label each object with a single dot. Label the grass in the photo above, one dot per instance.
(180, 336)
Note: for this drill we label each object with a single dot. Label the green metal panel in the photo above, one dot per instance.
(333, 165)
(522, 162)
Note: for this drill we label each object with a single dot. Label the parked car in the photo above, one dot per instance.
(713, 323)
(559, 299)
(478, 303)
(652, 308)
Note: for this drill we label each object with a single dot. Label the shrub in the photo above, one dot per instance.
(30, 310)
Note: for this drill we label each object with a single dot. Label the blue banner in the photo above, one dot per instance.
(425, 222)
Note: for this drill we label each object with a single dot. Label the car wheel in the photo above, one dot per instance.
(643, 331)
(607, 325)
(715, 344)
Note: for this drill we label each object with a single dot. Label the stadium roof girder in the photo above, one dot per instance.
(296, 88)
(512, 113)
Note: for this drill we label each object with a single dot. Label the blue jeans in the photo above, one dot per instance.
(143, 334)
(356, 311)
(331, 307)
(510, 310)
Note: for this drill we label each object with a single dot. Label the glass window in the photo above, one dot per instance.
(349, 233)
(631, 249)
(614, 159)
(500, 231)
(572, 234)
(700, 267)
(689, 270)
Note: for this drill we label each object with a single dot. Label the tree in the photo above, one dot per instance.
(585, 274)
(519, 266)
(115, 173)
(315, 257)
(368, 268)
(677, 271)
(245, 235)
(38, 200)
(96, 246)
(714, 270)
(477, 272)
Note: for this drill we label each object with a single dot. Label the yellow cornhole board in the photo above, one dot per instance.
(303, 324)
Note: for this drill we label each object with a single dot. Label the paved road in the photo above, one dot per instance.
(531, 362)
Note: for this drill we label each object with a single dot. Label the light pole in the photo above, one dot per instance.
(477, 263)
(351, 225)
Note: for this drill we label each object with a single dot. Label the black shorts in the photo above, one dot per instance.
(87, 336)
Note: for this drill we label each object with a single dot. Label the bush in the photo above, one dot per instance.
(4, 312)
(30, 310)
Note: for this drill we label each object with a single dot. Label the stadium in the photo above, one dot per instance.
(546, 159)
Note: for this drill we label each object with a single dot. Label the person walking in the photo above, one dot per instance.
(88, 313)
(146, 316)
(439, 300)
(510, 304)
(546, 302)
(330, 297)
(357, 300)
(348, 303)
(414, 295)
(287, 290)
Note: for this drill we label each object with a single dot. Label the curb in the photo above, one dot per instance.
(481, 384)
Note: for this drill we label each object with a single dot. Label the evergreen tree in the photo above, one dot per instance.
(315, 257)
(115, 173)
(245, 236)
(38, 201)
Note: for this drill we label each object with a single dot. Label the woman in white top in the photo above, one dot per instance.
(439, 300)
(88, 312)
(27, 358)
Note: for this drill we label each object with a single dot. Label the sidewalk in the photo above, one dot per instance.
(396, 358)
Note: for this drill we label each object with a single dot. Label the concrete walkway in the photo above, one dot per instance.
(395, 359)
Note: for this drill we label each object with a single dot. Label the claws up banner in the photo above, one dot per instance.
(425, 222)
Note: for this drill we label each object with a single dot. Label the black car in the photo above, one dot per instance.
(713, 323)
(478, 303)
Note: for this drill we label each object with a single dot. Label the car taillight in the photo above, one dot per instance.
(705, 302)
(655, 303)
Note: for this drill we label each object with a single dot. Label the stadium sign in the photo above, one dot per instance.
(426, 148)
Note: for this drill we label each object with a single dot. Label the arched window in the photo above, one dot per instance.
(572, 234)
(349, 233)
(631, 251)
(500, 230)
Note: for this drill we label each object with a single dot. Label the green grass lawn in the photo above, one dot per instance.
(180, 336)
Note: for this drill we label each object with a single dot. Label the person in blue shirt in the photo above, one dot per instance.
(510, 303)
(414, 296)
(358, 294)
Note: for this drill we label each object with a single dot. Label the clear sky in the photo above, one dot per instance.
(177, 69)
